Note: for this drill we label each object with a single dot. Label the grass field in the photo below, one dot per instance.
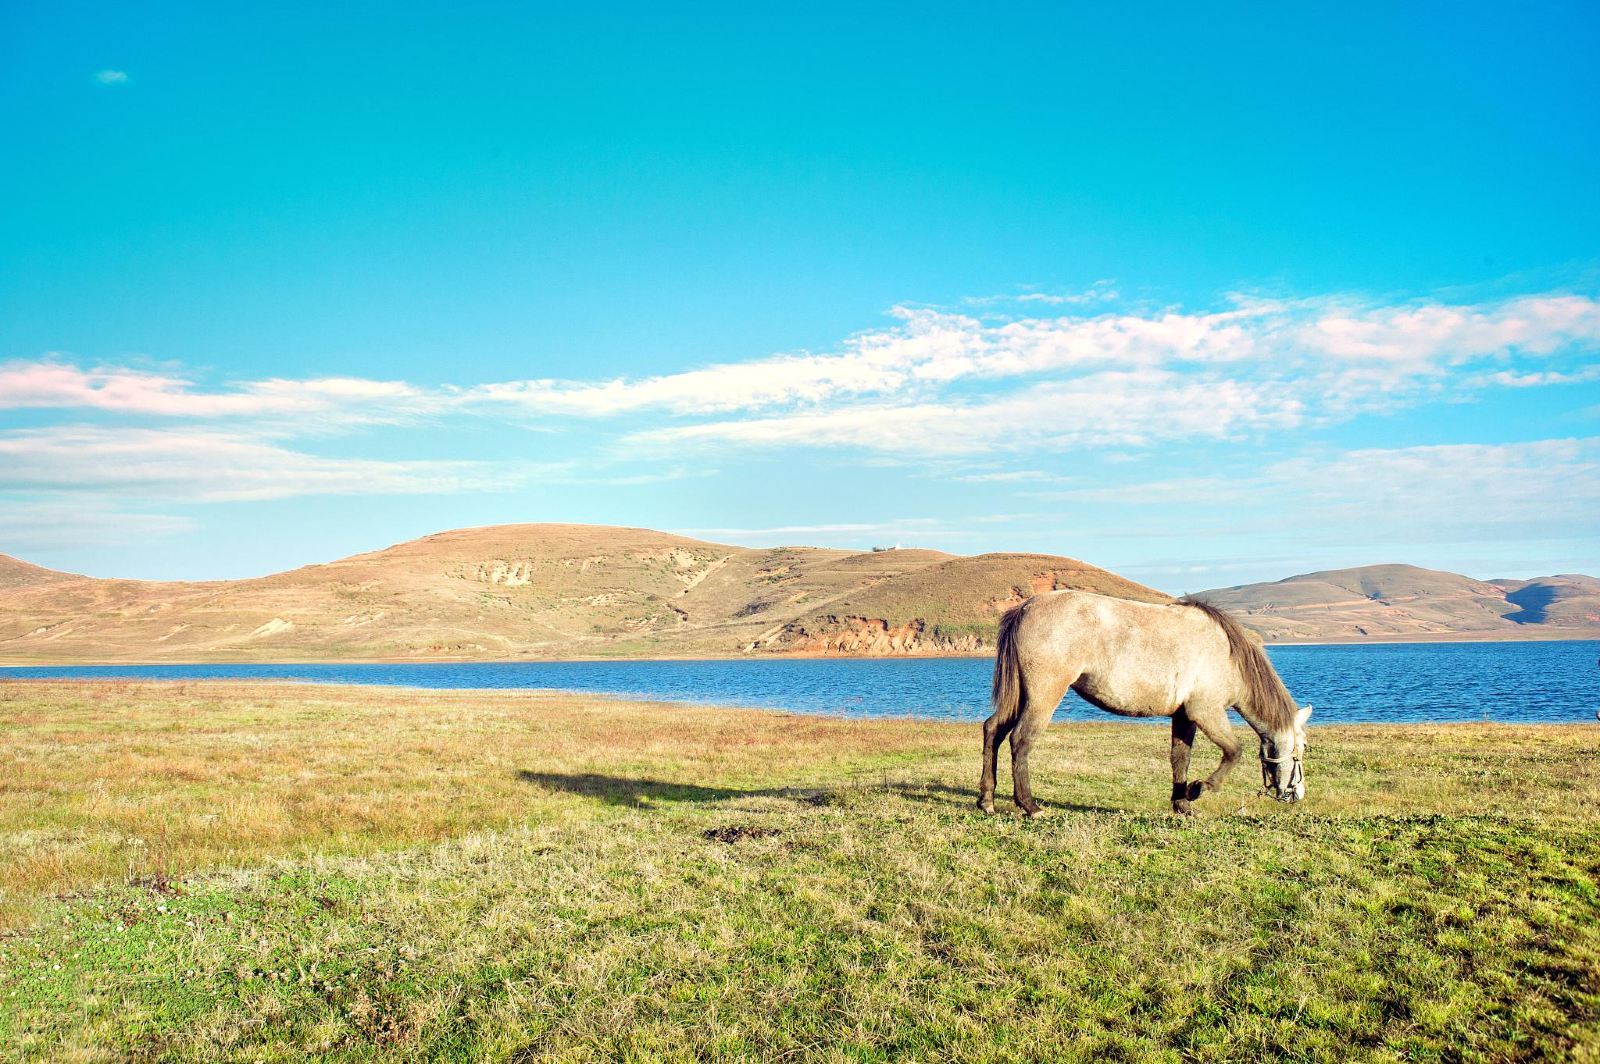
(227, 871)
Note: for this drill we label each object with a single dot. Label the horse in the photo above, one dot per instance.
(1187, 660)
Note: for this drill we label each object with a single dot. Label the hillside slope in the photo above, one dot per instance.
(1567, 600)
(950, 607)
(16, 573)
(1404, 601)
(542, 591)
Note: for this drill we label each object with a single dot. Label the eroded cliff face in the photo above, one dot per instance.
(970, 631)
(869, 636)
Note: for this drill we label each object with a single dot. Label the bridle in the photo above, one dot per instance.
(1296, 775)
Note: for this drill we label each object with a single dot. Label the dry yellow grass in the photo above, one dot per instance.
(523, 875)
(106, 780)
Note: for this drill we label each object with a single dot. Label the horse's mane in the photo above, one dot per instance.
(1269, 698)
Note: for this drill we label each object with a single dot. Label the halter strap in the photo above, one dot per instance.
(1266, 779)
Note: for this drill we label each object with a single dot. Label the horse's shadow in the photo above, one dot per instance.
(639, 792)
(643, 792)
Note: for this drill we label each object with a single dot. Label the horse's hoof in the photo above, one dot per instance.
(1198, 788)
(986, 807)
(1033, 814)
(1182, 808)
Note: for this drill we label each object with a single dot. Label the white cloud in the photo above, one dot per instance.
(52, 383)
(734, 386)
(1535, 378)
(1325, 356)
(942, 382)
(1104, 409)
(926, 351)
(111, 77)
(1430, 334)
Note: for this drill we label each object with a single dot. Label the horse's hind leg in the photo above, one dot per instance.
(1182, 748)
(1213, 721)
(994, 733)
(1039, 704)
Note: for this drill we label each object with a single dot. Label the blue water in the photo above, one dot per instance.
(1409, 682)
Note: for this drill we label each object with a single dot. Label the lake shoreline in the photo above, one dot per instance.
(1066, 717)
(1397, 684)
(1563, 636)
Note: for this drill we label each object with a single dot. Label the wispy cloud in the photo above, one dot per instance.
(1009, 476)
(111, 77)
(1430, 334)
(1104, 409)
(1534, 378)
(945, 380)
(1099, 292)
(43, 525)
(935, 382)
(208, 465)
(988, 403)
(53, 383)
(1335, 349)
(1531, 490)
(908, 527)
(1528, 490)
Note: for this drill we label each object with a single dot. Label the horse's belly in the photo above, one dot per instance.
(1137, 699)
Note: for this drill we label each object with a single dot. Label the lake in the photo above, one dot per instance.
(1555, 682)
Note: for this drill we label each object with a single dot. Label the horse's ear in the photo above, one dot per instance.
(1303, 716)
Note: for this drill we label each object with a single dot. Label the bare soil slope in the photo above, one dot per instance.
(1404, 601)
(540, 591)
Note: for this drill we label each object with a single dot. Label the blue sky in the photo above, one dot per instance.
(1203, 295)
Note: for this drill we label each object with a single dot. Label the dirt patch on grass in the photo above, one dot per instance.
(738, 833)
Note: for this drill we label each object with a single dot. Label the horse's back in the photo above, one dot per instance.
(1133, 658)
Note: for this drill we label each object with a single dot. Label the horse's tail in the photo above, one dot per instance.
(1007, 689)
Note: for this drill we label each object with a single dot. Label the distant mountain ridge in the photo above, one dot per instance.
(1405, 601)
(552, 591)
(541, 591)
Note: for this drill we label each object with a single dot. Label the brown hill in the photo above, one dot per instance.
(1404, 601)
(950, 607)
(541, 591)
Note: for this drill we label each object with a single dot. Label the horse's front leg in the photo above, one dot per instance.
(1182, 748)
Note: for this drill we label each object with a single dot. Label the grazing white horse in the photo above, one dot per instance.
(1187, 660)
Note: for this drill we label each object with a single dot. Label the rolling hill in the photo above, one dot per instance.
(1392, 602)
(540, 591)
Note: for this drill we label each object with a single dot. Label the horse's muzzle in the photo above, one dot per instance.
(1290, 791)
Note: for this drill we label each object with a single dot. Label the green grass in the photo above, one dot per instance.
(984, 633)
(523, 876)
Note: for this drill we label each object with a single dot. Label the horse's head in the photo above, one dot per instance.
(1282, 759)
